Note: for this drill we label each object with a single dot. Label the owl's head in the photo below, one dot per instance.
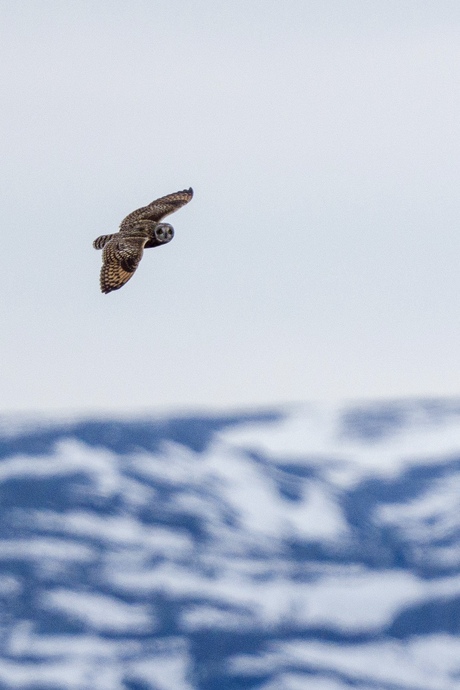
(164, 232)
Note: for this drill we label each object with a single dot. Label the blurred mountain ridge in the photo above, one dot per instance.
(293, 547)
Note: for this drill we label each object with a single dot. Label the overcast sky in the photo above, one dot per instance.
(320, 256)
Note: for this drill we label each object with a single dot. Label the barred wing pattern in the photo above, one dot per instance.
(120, 259)
(101, 241)
(158, 209)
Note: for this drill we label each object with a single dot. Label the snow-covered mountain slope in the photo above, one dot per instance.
(300, 548)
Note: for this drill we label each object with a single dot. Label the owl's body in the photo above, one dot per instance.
(140, 230)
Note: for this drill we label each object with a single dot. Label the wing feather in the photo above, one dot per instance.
(120, 259)
(101, 241)
(158, 209)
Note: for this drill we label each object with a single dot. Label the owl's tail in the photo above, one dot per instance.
(101, 241)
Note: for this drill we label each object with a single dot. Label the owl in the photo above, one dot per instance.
(141, 230)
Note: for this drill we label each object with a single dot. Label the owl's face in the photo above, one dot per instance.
(164, 232)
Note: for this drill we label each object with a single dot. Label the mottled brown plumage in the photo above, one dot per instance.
(141, 229)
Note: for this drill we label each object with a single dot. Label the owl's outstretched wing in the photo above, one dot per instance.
(120, 259)
(159, 208)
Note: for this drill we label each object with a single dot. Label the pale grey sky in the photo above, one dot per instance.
(320, 256)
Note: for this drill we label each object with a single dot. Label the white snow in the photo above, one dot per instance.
(167, 672)
(432, 662)
(240, 577)
(87, 661)
(211, 617)
(116, 529)
(360, 602)
(433, 515)
(261, 509)
(313, 436)
(304, 681)
(39, 549)
(100, 612)
(69, 457)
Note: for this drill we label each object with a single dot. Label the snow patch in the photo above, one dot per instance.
(100, 612)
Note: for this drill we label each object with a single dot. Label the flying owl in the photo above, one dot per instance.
(141, 229)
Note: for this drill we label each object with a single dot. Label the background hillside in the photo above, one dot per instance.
(292, 548)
